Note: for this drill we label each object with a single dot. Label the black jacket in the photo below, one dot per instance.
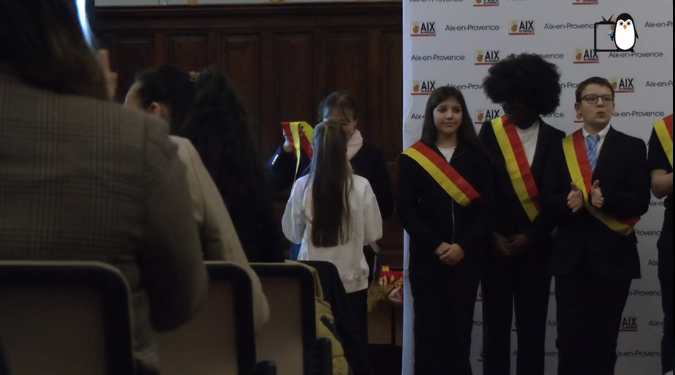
(658, 160)
(368, 163)
(511, 218)
(431, 216)
(625, 182)
(257, 228)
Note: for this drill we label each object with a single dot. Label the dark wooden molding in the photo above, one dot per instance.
(379, 8)
(283, 58)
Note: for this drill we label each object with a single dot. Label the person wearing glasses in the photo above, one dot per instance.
(596, 187)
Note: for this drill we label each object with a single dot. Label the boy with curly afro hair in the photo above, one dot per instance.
(516, 270)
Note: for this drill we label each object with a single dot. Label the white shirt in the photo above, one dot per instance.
(529, 138)
(602, 135)
(366, 228)
(447, 152)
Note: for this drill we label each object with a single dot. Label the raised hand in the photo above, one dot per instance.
(575, 200)
(288, 142)
(597, 200)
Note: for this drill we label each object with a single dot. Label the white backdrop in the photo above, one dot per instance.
(452, 42)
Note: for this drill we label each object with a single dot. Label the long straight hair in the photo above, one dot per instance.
(43, 43)
(466, 134)
(331, 184)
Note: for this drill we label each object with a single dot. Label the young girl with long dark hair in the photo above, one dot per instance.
(367, 159)
(333, 213)
(445, 202)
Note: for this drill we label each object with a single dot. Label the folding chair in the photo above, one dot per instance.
(65, 318)
(220, 339)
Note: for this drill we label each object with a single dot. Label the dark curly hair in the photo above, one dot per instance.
(526, 78)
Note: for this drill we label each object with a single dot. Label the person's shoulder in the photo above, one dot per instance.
(403, 157)
(301, 181)
(359, 181)
(481, 156)
(628, 139)
(371, 149)
(629, 144)
(486, 126)
(114, 115)
(361, 185)
(557, 133)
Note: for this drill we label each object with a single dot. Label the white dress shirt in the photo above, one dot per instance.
(447, 152)
(348, 258)
(529, 139)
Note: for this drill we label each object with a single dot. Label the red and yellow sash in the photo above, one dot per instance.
(582, 175)
(447, 177)
(304, 143)
(517, 165)
(664, 130)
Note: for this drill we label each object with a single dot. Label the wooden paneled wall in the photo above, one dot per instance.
(283, 58)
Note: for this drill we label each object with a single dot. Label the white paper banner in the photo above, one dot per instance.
(454, 42)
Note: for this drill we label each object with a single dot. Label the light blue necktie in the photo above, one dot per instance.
(592, 142)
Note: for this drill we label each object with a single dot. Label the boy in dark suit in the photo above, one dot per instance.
(597, 185)
(661, 165)
(516, 269)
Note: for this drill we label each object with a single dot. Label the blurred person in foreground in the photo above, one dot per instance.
(83, 179)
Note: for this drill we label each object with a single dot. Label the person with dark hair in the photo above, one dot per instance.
(515, 273)
(333, 213)
(660, 159)
(596, 187)
(366, 159)
(205, 109)
(446, 204)
(83, 179)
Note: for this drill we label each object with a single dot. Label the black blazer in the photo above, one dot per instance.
(625, 181)
(511, 218)
(368, 163)
(658, 160)
(431, 216)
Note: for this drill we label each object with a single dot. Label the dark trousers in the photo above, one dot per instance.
(523, 284)
(589, 311)
(443, 322)
(356, 350)
(358, 301)
(665, 246)
(4, 366)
